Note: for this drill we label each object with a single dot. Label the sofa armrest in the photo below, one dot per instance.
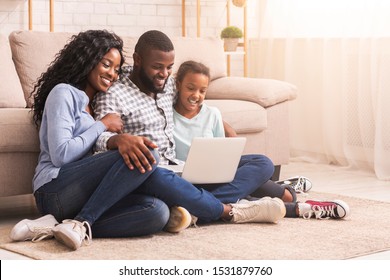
(265, 92)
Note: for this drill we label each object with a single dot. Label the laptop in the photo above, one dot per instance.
(211, 160)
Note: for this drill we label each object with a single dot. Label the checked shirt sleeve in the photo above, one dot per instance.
(105, 103)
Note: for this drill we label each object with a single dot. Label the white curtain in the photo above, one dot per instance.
(337, 52)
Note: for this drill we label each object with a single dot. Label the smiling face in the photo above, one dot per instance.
(154, 68)
(191, 93)
(104, 74)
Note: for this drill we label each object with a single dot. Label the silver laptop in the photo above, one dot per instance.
(211, 160)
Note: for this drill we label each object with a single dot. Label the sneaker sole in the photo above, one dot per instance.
(64, 239)
(344, 206)
(282, 208)
(340, 205)
(185, 221)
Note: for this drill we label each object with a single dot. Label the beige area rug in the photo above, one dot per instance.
(366, 231)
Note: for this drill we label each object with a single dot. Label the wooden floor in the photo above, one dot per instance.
(325, 178)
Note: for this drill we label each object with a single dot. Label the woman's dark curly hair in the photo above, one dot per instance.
(73, 63)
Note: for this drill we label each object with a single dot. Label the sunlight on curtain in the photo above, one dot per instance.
(338, 54)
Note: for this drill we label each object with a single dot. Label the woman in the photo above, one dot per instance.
(86, 192)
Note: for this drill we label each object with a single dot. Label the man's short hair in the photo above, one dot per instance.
(155, 40)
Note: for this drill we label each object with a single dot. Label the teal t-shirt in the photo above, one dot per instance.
(208, 123)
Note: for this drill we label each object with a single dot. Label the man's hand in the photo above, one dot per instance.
(134, 150)
(113, 122)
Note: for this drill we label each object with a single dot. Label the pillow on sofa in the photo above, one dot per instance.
(11, 93)
(206, 50)
(32, 52)
(265, 92)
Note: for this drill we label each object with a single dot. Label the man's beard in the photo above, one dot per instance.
(148, 83)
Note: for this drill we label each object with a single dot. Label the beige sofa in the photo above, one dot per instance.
(256, 108)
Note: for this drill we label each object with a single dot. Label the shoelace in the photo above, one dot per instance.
(41, 233)
(88, 236)
(194, 219)
(299, 186)
(320, 213)
(83, 228)
(241, 211)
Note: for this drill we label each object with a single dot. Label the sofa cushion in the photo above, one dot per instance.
(18, 134)
(31, 61)
(266, 92)
(243, 116)
(199, 49)
(206, 50)
(11, 93)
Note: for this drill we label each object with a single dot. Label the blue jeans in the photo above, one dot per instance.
(100, 189)
(253, 172)
(205, 201)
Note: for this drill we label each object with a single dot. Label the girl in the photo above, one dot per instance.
(193, 118)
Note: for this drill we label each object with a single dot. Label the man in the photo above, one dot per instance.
(144, 97)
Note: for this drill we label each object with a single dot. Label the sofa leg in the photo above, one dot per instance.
(276, 175)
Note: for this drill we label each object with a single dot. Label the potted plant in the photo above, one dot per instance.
(239, 3)
(231, 35)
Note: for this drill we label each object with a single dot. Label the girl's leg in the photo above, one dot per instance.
(291, 209)
(176, 191)
(272, 189)
(252, 172)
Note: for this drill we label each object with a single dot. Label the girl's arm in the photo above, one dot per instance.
(229, 131)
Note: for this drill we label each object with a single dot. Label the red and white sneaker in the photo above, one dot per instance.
(335, 209)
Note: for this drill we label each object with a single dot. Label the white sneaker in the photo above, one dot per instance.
(34, 230)
(179, 219)
(194, 220)
(300, 184)
(264, 210)
(73, 233)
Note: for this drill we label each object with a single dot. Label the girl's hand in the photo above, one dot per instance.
(113, 122)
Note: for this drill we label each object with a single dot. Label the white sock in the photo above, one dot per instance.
(303, 208)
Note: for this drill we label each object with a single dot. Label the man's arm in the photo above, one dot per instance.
(135, 150)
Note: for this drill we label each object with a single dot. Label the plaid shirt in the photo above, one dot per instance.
(141, 114)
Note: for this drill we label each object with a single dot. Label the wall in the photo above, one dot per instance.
(127, 17)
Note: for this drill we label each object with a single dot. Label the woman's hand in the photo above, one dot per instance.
(113, 122)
